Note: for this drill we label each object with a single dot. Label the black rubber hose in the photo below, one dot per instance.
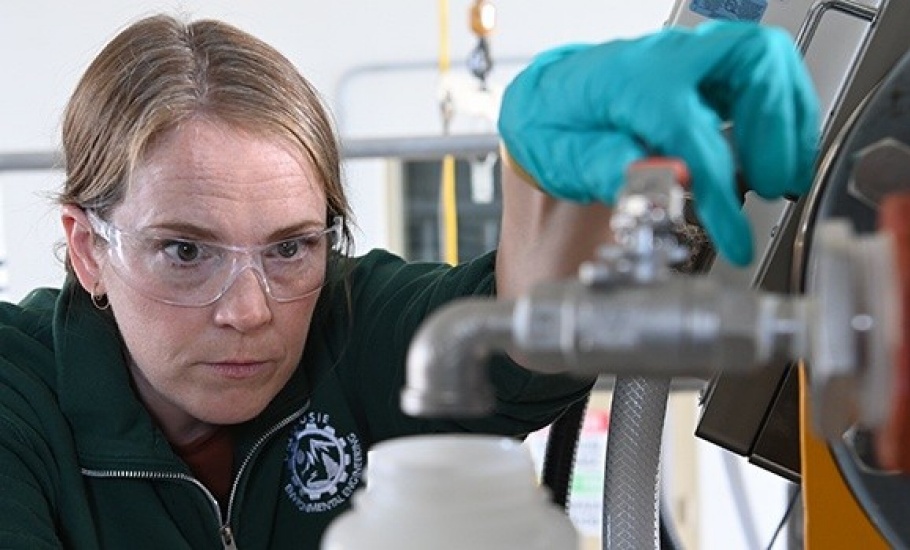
(669, 537)
(562, 445)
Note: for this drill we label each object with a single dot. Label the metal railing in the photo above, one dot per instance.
(408, 147)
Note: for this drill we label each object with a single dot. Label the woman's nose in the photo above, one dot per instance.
(245, 303)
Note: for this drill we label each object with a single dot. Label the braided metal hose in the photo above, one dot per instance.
(632, 471)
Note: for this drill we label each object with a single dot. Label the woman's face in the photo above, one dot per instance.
(221, 363)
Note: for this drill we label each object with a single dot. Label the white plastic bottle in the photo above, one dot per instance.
(451, 492)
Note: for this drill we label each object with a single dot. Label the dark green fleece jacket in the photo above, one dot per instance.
(82, 465)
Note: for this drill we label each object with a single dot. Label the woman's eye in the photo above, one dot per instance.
(184, 251)
(296, 248)
(288, 249)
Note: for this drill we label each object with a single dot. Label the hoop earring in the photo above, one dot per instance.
(100, 301)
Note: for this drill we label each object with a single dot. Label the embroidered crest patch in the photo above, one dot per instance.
(325, 467)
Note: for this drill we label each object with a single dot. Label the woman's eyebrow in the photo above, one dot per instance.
(309, 226)
(184, 229)
(205, 234)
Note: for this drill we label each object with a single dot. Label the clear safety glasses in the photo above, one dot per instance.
(187, 272)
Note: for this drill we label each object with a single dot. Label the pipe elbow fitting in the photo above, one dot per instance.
(447, 361)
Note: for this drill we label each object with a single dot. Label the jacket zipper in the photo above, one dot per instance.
(255, 449)
(225, 533)
(227, 537)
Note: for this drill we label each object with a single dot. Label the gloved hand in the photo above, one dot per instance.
(579, 115)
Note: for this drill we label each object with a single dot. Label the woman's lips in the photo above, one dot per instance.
(238, 369)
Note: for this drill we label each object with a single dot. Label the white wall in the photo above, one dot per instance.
(45, 44)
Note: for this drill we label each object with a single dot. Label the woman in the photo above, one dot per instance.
(216, 366)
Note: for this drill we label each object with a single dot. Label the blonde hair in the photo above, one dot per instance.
(159, 72)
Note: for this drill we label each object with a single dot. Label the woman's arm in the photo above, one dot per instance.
(543, 238)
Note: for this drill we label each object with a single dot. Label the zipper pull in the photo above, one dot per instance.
(227, 538)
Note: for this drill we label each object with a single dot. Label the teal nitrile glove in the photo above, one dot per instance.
(579, 115)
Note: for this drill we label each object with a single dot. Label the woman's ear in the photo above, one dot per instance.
(80, 248)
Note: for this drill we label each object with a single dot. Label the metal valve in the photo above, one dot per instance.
(648, 216)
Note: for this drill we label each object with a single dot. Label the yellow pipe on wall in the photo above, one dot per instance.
(449, 210)
(447, 194)
(444, 56)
